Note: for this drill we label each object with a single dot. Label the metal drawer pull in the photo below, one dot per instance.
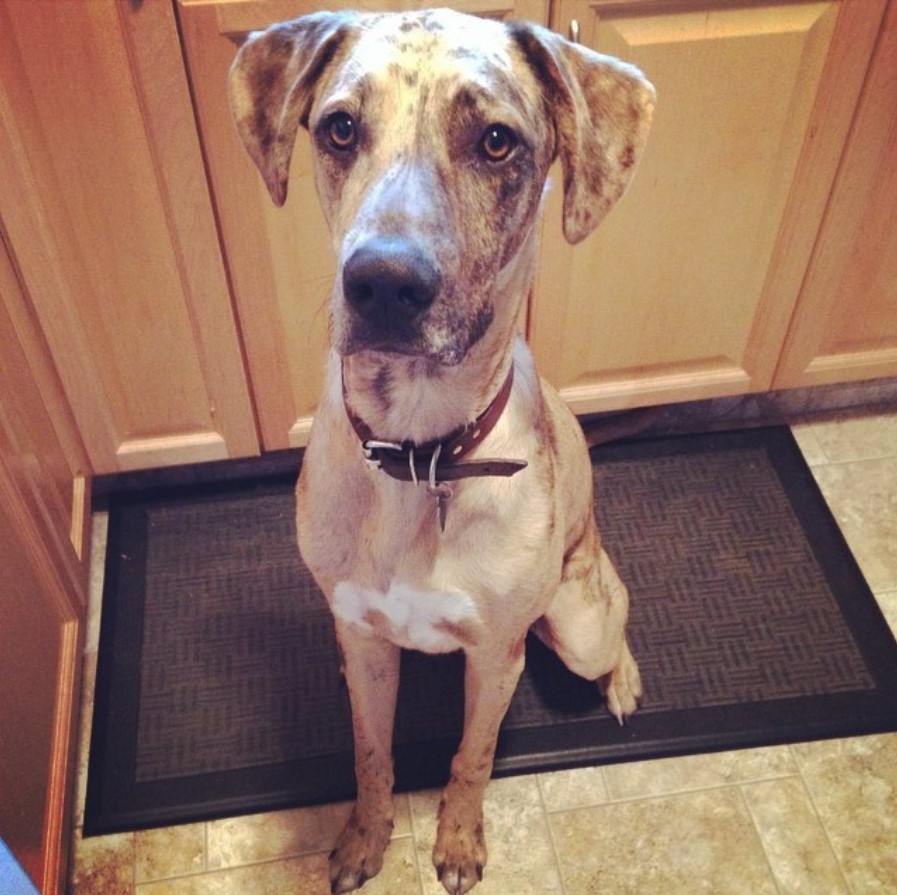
(574, 30)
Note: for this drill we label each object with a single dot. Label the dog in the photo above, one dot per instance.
(445, 497)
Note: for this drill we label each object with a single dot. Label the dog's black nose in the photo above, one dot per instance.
(389, 280)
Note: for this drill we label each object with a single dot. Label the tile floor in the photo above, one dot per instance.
(811, 818)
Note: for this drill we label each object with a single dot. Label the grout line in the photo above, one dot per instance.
(672, 793)
(759, 834)
(415, 851)
(605, 779)
(855, 461)
(546, 814)
(205, 847)
(828, 838)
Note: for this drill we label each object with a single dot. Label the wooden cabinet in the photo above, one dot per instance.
(107, 212)
(281, 261)
(687, 290)
(845, 326)
(43, 534)
(188, 316)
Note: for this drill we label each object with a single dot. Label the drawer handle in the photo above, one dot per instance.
(574, 30)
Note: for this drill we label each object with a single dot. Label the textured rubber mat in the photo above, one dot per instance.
(218, 685)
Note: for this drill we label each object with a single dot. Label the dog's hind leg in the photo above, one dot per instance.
(371, 667)
(586, 625)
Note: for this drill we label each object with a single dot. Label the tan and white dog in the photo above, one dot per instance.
(445, 498)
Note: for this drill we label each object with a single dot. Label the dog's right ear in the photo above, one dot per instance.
(271, 88)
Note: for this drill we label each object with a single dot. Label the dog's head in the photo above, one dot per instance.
(433, 133)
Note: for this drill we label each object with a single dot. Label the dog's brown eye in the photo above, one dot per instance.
(497, 143)
(341, 131)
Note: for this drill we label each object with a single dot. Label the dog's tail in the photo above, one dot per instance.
(618, 426)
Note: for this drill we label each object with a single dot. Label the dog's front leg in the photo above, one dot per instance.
(371, 667)
(491, 677)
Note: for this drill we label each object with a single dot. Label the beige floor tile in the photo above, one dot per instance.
(863, 498)
(298, 876)
(794, 839)
(866, 437)
(103, 865)
(238, 841)
(677, 845)
(282, 834)
(295, 876)
(171, 851)
(521, 859)
(692, 772)
(577, 788)
(853, 784)
(887, 600)
(809, 444)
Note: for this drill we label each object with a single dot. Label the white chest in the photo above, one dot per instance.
(428, 620)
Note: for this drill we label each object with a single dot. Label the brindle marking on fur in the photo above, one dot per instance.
(547, 428)
(517, 650)
(548, 438)
(465, 633)
(479, 326)
(382, 386)
(574, 545)
(430, 23)
(267, 80)
(313, 75)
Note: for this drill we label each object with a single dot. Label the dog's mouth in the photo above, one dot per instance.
(449, 355)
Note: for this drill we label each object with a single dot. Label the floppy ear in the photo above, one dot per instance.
(271, 88)
(602, 112)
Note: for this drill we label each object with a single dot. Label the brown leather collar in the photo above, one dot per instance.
(439, 461)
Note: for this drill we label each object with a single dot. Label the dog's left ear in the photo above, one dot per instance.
(271, 88)
(602, 111)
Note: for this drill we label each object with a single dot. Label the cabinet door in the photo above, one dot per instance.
(686, 291)
(105, 205)
(39, 666)
(281, 261)
(845, 327)
(42, 594)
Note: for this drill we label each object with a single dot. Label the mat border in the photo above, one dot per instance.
(116, 802)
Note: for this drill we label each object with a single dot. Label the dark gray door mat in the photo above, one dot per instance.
(218, 688)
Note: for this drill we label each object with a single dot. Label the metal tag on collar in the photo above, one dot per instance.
(440, 490)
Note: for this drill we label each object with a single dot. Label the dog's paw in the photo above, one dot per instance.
(358, 853)
(622, 687)
(459, 855)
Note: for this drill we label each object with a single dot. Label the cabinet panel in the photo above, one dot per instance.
(109, 219)
(39, 655)
(43, 571)
(845, 327)
(281, 260)
(45, 460)
(687, 289)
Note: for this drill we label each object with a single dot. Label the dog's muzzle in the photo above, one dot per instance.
(389, 283)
